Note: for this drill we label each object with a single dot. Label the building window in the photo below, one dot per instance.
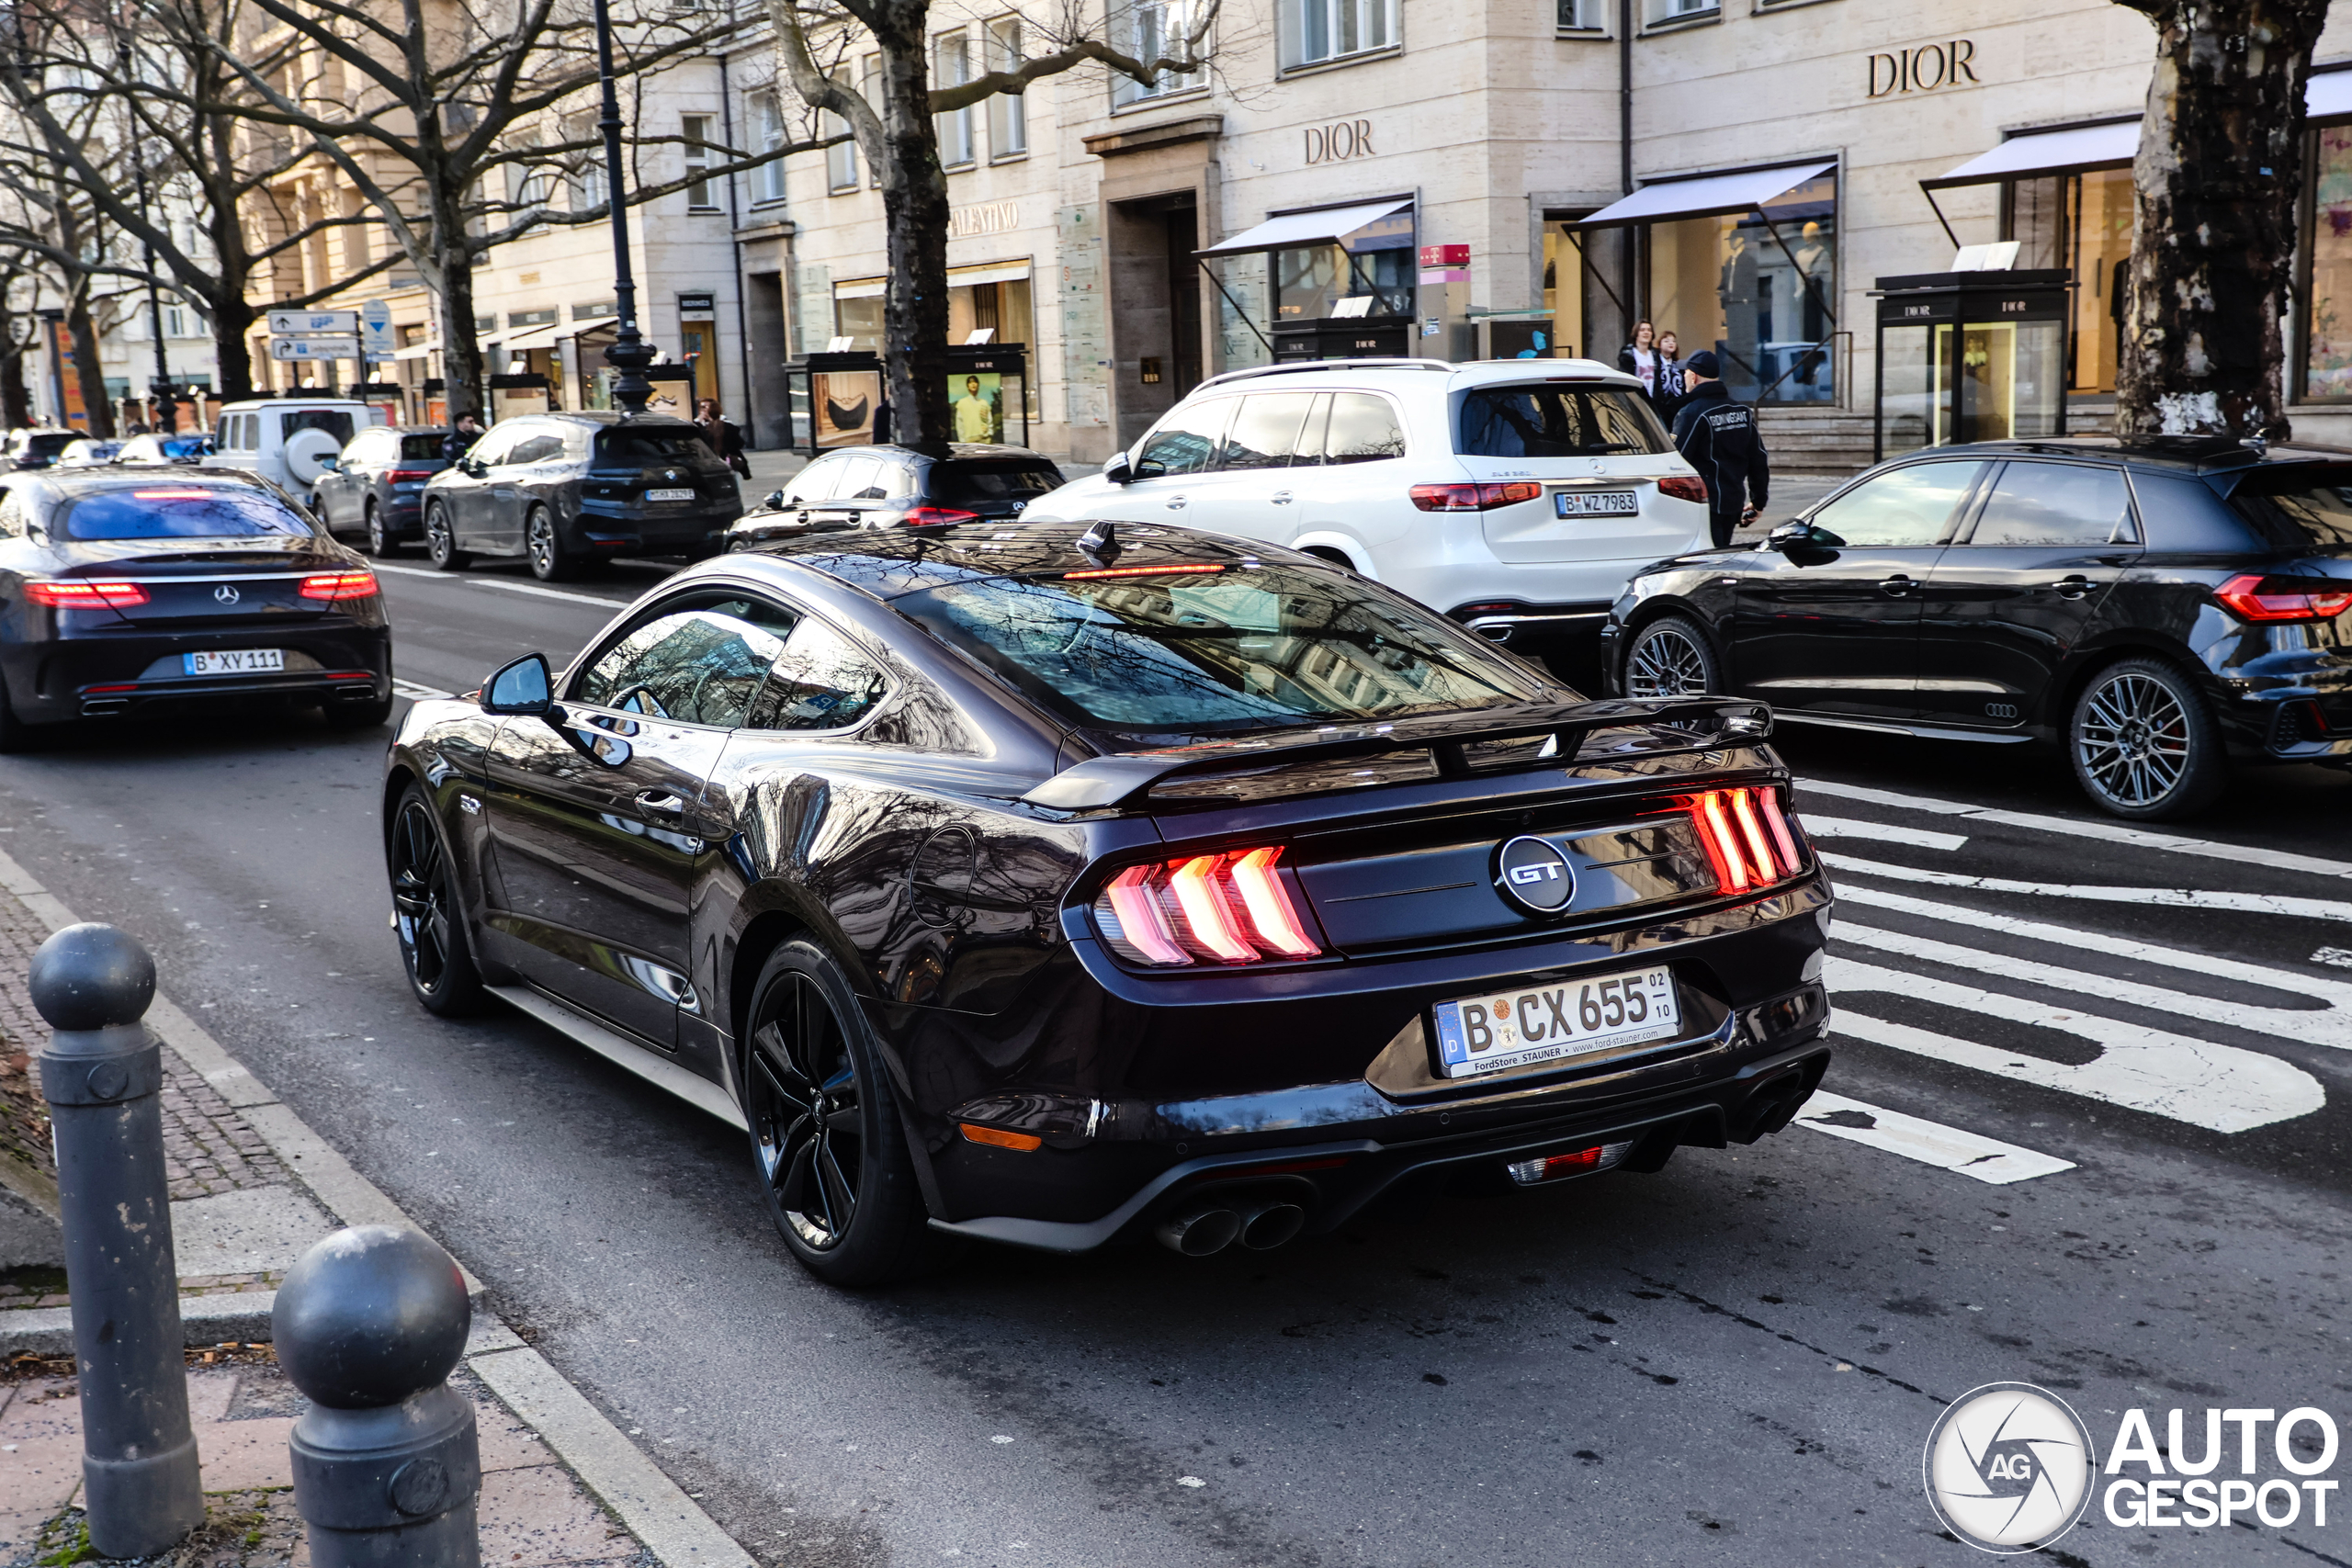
(2327, 295)
(858, 317)
(1155, 30)
(700, 196)
(529, 317)
(1583, 15)
(1007, 112)
(2081, 223)
(1761, 289)
(588, 167)
(768, 118)
(841, 158)
(951, 66)
(174, 322)
(593, 311)
(1667, 12)
(1332, 29)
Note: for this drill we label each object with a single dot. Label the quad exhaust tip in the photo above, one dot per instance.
(1269, 1225)
(1260, 1226)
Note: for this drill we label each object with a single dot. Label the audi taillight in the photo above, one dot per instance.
(86, 595)
(1684, 486)
(1748, 838)
(928, 516)
(2252, 598)
(332, 586)
(1472, 498)
(1229, 907)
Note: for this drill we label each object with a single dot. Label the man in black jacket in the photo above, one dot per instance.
(1719, 438)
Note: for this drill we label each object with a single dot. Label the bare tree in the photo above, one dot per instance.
(2219, 176)
(898, 136)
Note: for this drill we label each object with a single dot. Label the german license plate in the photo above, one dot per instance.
(1594, 502)
(1575, 1018)
(236, 662)
(669, 495)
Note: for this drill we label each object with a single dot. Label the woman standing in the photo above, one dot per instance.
(1671, 385)
(1639, 358)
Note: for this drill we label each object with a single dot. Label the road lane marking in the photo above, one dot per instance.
(2166, 897)
(2336, 956)
(1851, 828)
(2223, 1088)
(550, 593)
(413, 572)
(410, 689)
(1931, 1143)
(2243, 854)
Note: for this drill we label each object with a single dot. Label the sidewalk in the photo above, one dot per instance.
(252, 1188)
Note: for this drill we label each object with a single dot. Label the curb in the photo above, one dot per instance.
(655, 1508)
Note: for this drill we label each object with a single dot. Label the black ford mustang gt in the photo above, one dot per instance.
(1052, 888)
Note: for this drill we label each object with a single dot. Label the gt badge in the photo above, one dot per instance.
(1532, 873)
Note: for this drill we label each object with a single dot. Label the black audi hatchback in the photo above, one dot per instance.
(897, 487)
(568, 492)
(2160, 609)
(125, 592)
(1051, 889)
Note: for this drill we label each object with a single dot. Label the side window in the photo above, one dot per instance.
(821, 682)
(860, 478)
(2057, 503)
(816, 482)
(1186, 440)
(1265, 433)
(335, 422)
(12, 516)
(897, 481)
(703, 664)
(491, 448)
(1908, 506)
(540, 448)
(1364, 429)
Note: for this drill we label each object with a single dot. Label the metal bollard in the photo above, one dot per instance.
(101, 1074)
(387, 1463)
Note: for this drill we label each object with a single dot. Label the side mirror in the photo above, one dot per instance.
(1117, 471)
(522, 687)
(1790, 535)
(774, 501)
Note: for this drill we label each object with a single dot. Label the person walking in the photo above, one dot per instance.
(1671, 385)
(1719, 437)
(725, 436)
(1639, 359)
(467, 431)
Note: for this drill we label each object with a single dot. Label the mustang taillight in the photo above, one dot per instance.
(2244, 597)
(86, 595)
(1748, 838)
(1227, 908)
(335, 585)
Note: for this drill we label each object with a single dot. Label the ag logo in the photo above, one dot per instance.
(1532, 873)
(2009, 1468)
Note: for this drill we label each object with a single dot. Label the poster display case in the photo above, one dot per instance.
(1970, 357)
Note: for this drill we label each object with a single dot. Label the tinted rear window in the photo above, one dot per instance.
(190, 513)
(2292, 507)
(426, 447)
(652, 446)
(335, 422)
(1553, 421)
(1235, 649)
(968, 484)
(49, 445)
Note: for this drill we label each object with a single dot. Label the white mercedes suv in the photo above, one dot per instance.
(1516, 495)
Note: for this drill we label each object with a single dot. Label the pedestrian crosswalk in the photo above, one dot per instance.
(2165, 1029)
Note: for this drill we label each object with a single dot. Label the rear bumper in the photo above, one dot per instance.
(1524, 624)
(648, 533)
(51, 682)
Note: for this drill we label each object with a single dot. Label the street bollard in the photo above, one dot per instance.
(101, 1074)
(387, 1463)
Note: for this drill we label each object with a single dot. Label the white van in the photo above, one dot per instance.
(289, 440)
(1516, 495)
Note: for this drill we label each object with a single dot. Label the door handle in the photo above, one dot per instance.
(1175, 503)
(1896, 587)
(1282, 498)
(2073, 587)
(661, 802)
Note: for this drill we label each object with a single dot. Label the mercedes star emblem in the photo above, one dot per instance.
(227, 594)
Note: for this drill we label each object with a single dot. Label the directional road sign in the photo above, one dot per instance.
(343, 346)
(310, 324)
(376, 329)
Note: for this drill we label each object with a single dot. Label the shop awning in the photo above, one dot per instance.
(2071, 151)
(1000, 272)
(417, 350)
(1705, 195)
(1319, 228)
(534, 337)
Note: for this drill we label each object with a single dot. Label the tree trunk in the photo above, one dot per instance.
(15, 402)
(914, 208)
(452, 278)
(87, 368)
(232, 325)
(2219, 176)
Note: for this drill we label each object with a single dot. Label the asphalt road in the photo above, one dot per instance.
(1735, 1360)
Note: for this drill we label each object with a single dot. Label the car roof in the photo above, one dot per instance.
(2183, 453)
(606, 417)
(1445, 375)
(888, 562)
(67, 482)
(965, 450)
(245, 405)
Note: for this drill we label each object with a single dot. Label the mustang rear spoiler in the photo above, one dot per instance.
(1690, 724)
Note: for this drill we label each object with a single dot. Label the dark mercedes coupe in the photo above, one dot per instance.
(1051, 887)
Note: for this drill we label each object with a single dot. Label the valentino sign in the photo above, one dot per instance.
(1924, 67)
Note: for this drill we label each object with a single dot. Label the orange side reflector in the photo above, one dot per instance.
(997, 1137)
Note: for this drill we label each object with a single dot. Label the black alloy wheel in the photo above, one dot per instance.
(441, 541)
(552, 561)
(380, 540)
(2143, 744)
(428, 911)
(827, 1143)
(1671, 658)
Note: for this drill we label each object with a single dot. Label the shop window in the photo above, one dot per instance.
(1003, 309)
(1156, 30)
(1332, 29)
(2080, 223)
(1369, 272)
(1758, 289)
(2327, 296)
(1007, 112)
(951, 66)
(701, 196)
(1569, 285)
(859, 318)
(767, 120)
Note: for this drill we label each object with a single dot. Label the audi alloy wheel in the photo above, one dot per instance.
(1671, 658)
(2143, 743)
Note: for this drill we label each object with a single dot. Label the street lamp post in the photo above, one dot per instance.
(630, 353)
(159, 391)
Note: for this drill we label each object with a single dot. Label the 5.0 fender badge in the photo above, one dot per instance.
(1532, 873)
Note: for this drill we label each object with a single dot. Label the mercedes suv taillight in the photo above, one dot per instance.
(1748, 838)
(1472, 498)
(1231, 907)
(1684, 486)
